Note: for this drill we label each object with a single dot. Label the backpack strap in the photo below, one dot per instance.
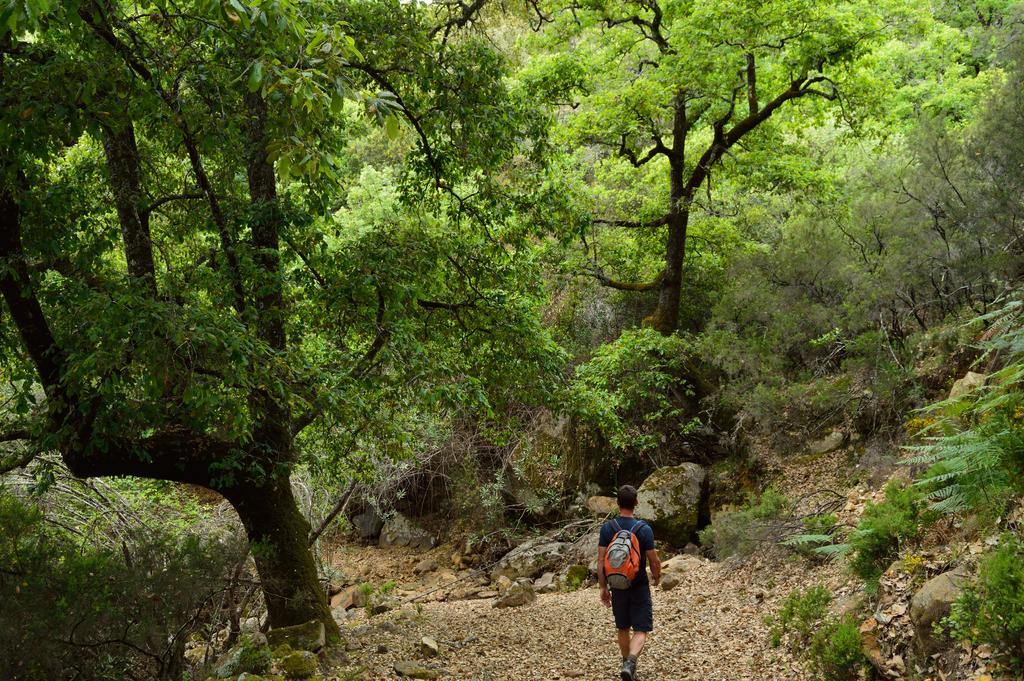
(615, 524)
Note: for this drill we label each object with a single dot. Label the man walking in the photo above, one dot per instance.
(625, 548)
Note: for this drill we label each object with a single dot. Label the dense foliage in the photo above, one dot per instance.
(473, 260)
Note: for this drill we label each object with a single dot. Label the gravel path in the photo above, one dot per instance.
(709, 628)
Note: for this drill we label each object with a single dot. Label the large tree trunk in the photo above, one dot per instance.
(665, 318)
(123, 166)
(278, 534)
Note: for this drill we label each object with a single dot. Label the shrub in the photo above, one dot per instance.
(883, 529)
(830, 646)
(991, 610)
(633, 392)
(72, 608)
(800, 614)
(835, 652)
(738, 532)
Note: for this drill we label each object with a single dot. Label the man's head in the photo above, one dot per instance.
(627, 497)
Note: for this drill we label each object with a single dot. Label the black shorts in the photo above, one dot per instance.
(633, 608)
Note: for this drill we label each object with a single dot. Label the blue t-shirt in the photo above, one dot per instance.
(644, 535)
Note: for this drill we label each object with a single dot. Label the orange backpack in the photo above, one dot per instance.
(622, 559)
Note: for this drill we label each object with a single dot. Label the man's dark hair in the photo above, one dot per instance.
(627, 497)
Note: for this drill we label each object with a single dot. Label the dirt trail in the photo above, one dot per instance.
(709, 628)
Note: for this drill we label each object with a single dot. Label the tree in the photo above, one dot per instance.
(683, 85)
(198, 331)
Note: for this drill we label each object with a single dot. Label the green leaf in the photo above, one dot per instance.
(255, 75)
(391, 126)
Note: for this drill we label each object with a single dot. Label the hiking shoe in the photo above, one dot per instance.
(628, 670)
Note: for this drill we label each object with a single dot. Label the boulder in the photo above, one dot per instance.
(415, 670)
(199, 655)
(309, 636)
(968, 383)
(829, 443)
(399, 530)
(930, 604)
(428, 647)
(672, 500)
(691, 549)
(348, 598)
(679, 564)
(503, 584)
(251, 654)
(670, 581)
(517, 595)
(301, 664)
(584, 549)
(545, 583)
(424, 566)
(368, 524)
(530, 559)
(601, 505)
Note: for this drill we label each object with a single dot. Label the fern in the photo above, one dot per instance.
(975, 445)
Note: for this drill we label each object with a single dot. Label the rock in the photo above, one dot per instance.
(251, 654)
(399, 530)
(199, 655)
(601, 505)
(872, 650)
(383, 604)
(829, 443)
(670, 581)
(672, 500)
(968, 383)
(368, 524)
(250, 625)
(691, 549)
(414, 670)
(424, 566)
(309, 636)
(584, 549)
(428, 647)
(299, 665)
(348, 598)
(930, 604)
(503, 584)
(517, 595)
(681, 563)
(530, 559)
(545, 583)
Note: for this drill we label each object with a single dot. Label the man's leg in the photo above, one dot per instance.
(625, 644)
(636, 644)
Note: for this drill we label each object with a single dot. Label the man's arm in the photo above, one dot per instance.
(655, 564)
(606, 596)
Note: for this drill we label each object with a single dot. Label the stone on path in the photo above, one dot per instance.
(414, 670)
(517, 595)
(670, 581)
(428, 647)
(424, 566)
